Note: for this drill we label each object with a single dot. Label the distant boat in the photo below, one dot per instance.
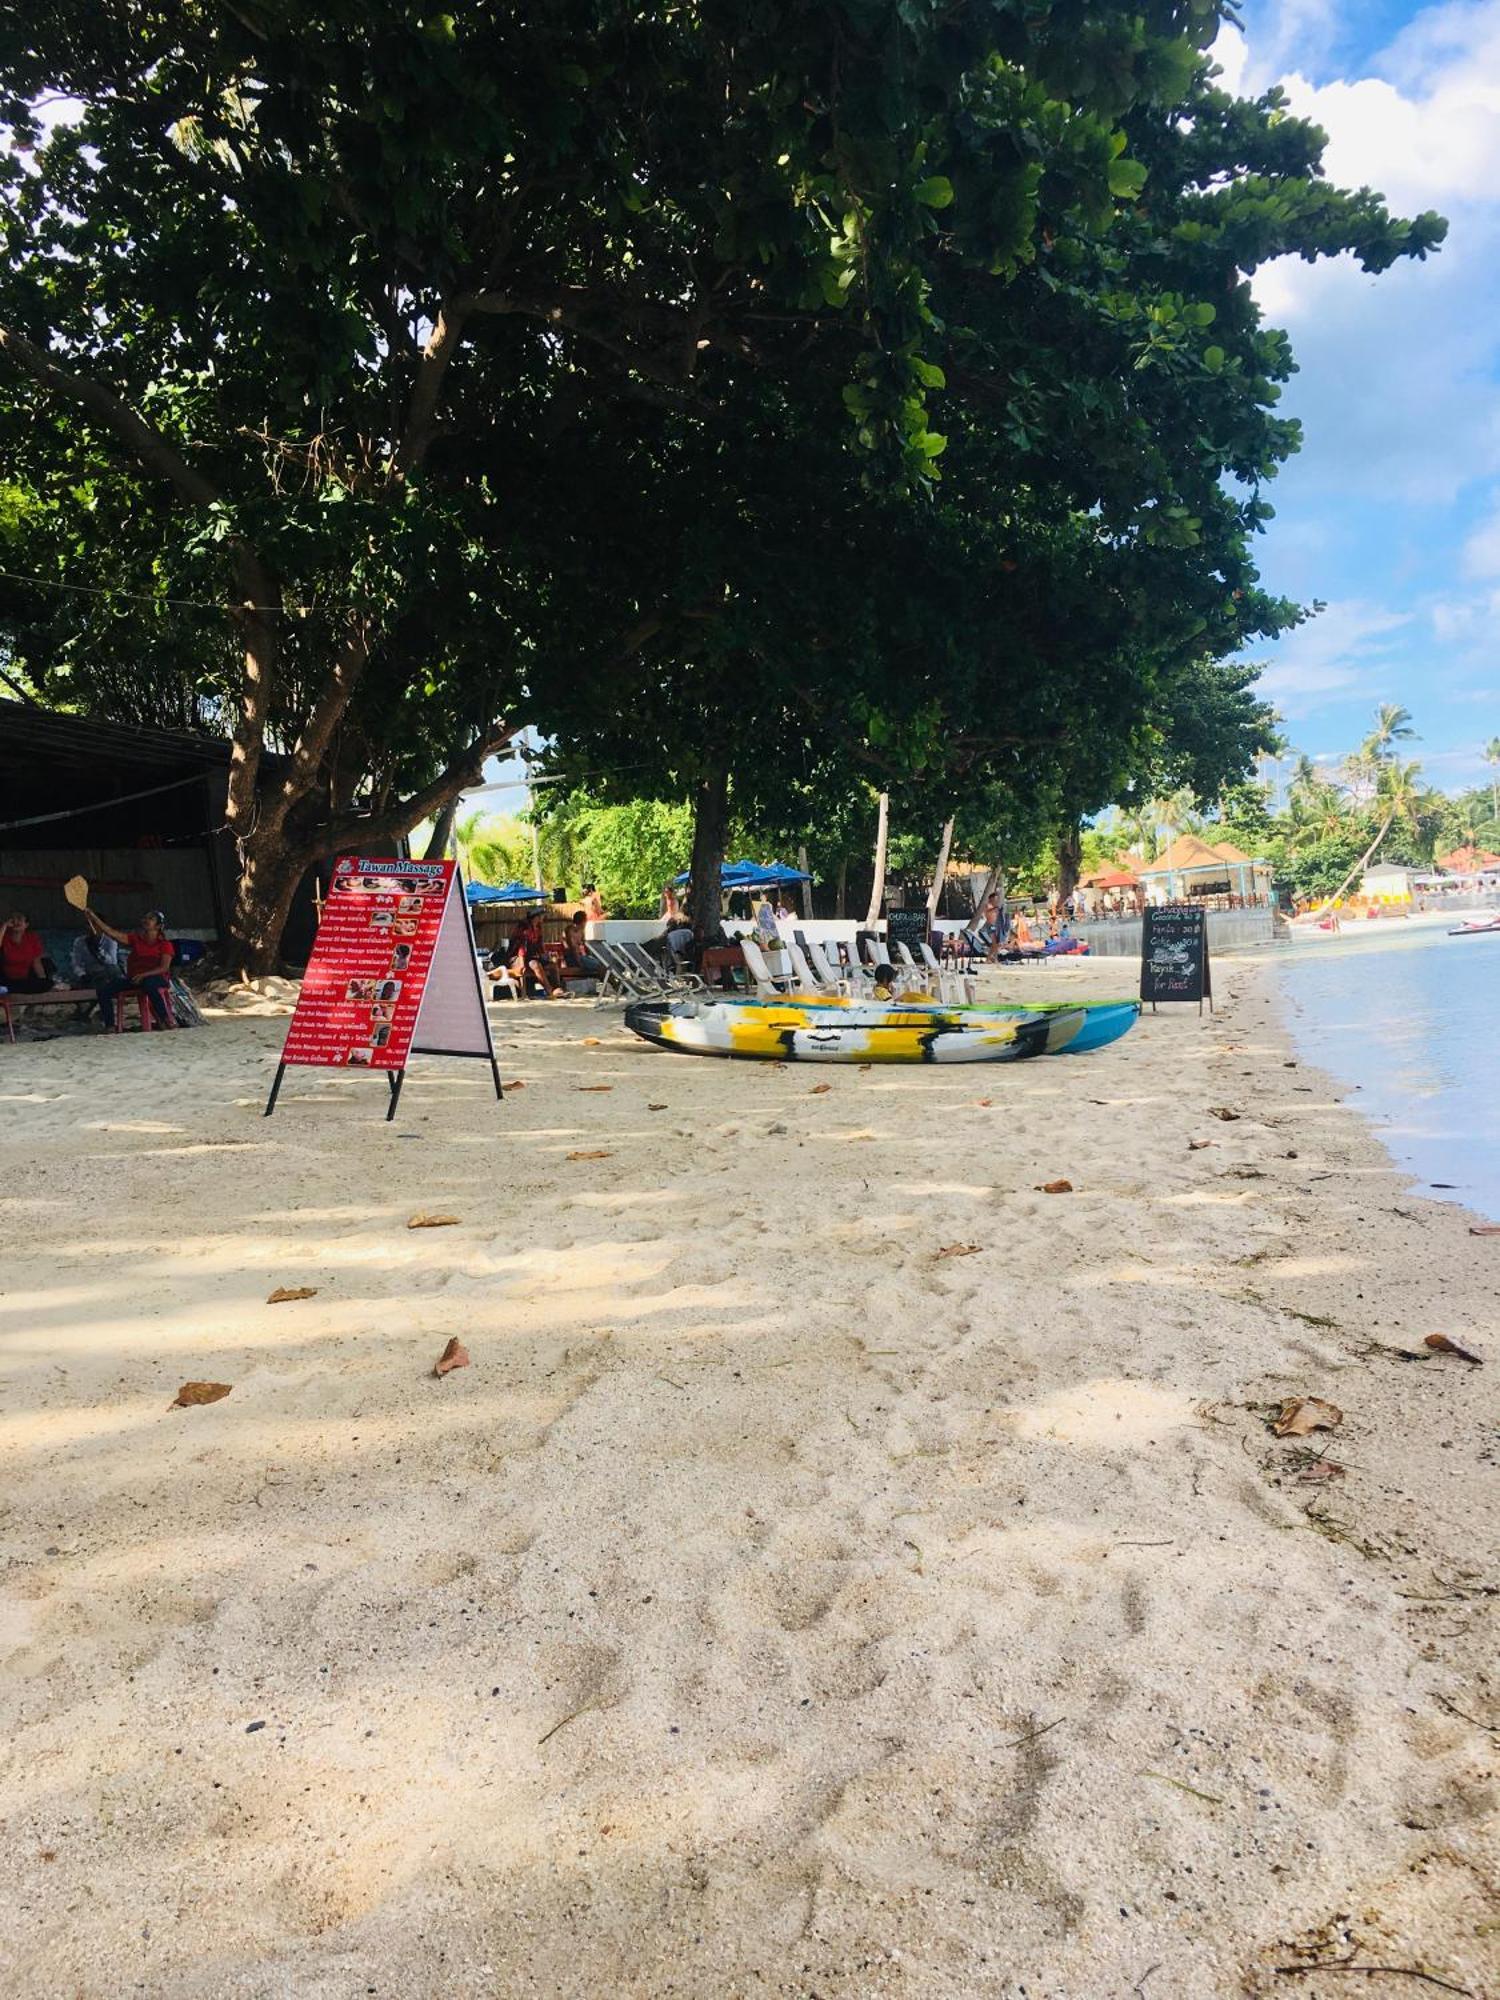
(1477, 926)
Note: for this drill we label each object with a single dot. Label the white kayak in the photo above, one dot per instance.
(875, 1033)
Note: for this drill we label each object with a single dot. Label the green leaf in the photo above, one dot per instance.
(1126, 178)
(1213, 359)
(928, 373)
(936, 191)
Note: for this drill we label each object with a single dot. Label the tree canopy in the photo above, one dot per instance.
(792, 389)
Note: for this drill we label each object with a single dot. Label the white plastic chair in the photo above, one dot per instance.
(765, 981)
(838, 979)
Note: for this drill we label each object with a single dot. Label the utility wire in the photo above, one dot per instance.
(150, 597)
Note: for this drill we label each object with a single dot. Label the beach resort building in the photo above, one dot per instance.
(1197, 870)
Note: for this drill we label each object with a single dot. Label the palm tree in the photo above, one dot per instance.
(1403, 797)
(1492, 758)
(1305, 777)
(1392, 725)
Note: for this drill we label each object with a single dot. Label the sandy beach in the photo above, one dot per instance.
(844, 1569)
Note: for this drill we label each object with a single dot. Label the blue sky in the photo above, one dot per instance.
(1391, 513)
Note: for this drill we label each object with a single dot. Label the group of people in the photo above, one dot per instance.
(95, 962)
(526, 960)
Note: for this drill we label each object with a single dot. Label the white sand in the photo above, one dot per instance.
(773, 1608)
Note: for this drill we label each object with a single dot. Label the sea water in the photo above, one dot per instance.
(1414, 1021)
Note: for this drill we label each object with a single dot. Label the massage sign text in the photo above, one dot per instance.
(392, 973)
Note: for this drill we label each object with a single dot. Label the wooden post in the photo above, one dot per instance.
(877, 887)
(806, 887)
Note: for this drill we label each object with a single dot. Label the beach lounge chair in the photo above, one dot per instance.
(837, 979)
(765, 981)
(648, 968)
(623, 979)
(806, 977)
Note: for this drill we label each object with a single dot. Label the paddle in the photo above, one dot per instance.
(76, 890)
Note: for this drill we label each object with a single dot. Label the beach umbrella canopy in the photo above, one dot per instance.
(756, 875)
(504, 892)
(1113, 879)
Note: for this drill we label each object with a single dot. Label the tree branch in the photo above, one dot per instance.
(421, 412)
(146, 445)
(466, 769)
(327, 712)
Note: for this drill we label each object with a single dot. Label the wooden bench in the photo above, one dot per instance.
(59, 996)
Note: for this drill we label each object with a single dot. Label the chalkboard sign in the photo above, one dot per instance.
(1174, 955)
(908, 927)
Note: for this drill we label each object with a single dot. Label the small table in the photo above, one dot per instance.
(717, 962)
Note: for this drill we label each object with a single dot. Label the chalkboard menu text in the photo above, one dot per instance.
(1174, 955)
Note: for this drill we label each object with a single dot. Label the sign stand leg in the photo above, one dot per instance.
(275, 1090)
(495, 1072)
(395, 1078)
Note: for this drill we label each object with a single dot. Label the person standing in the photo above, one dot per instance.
(23, 960)
(148, 966)
(594, 911)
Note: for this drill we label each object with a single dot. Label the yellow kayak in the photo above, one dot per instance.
(873, 1033)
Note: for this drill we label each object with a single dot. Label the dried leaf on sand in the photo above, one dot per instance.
(1484, 1228)
(513, 1083)
(656, 1107)
(193, 1393)
(592, 1153)
(1200, 1145)
(1223, 1111)
(284, 1294)
(818, 1089)
(595, 1086)
(432, 1222)
(1054, 1187)
(454, 1355)
(1319, 1470)
(1300, 1416)
(593, 1041)
(959, 1250)
(1441, 1344)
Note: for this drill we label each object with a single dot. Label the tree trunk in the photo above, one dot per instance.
(940, 876)
(442, 831)
(805, 887)
(706, 871)
(882, 833)
(1364, 860)
(269, 875)
(841, 898)
(1069, 858)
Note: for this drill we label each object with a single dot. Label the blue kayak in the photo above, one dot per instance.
(1104, 1021)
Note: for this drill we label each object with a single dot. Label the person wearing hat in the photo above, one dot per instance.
(148, 966)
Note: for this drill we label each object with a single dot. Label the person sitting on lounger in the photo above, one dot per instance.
(23, 959)
(148, 966)
(526, 962)
(576, 954)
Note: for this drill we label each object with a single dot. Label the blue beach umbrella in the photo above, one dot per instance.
(504, 892)
(756, 875)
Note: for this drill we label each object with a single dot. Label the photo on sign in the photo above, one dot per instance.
(360, 1056)
(360, 989)
(381, 1037)
(383, 1010)
(380, 918)
(390, 989)
(409, 906)
(404, 927)
(401, 958)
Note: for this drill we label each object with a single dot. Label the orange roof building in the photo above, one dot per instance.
(1467, 861)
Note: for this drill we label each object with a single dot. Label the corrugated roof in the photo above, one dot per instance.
(1186, 854)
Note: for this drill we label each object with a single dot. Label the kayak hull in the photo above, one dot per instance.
(871, 1034)
(1105, 1021)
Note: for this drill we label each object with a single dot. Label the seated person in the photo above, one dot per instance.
(671, 905)
(885, 982)
(148, 966)
(674, 945)
(96, 963)
(23, 961)
(576, 954)
(526, 961)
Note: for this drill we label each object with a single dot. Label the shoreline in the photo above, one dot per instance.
(844, 1567)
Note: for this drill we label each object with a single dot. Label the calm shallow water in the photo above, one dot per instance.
(1415, 1022)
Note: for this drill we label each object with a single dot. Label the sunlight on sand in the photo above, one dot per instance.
(1104, 1412)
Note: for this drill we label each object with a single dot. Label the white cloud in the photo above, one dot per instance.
(1343, 646)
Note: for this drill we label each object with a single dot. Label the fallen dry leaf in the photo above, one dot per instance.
(193, 1393)
(864, 1066)
(594, 1086)
(1319, 1469)
(1484, 1228)
(1441, 1344)
(958, 1250)
(1198, 1145)
(432, 1222)
(1054, 1187)
(595, 1153)
(514, 1083)
(984, 1102)
(284, 1294)
(656, 1107)
(593, 1042)
(1300, 1416)
(819, 1088)
(1223, 1111)
(454, 1355)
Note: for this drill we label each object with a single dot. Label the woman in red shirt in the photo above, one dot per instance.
(148, 966)
(23, 968)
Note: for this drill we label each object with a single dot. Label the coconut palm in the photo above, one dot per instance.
(1492, 758)
(1392, 725)
(1402, 796)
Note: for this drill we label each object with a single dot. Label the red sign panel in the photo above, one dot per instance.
(364, 984)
